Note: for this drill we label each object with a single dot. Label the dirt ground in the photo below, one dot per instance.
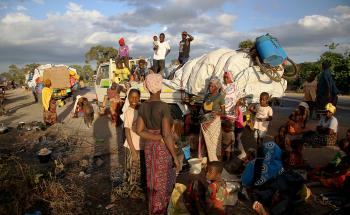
(87, 163)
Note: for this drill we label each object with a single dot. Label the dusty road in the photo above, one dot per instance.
(21, 107)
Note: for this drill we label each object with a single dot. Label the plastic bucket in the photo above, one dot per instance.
(187, 152)
(196, 165)
(269, 50)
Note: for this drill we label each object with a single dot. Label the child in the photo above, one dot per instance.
(140, 72)
(263, 115)
(282, 140)
(239, 126)
(216, 194)
(88, 113)
(227, 138)
(296, 159)
(155, 44)
(121, 73)
(133, 145)
(114, 98)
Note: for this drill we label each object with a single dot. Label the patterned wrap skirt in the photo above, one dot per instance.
(161, 175)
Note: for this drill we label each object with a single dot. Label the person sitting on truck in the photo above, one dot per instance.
(121, 73)
(140, 72)
(123, 52)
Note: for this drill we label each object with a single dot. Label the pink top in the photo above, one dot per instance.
(239, 120)
(124, 51)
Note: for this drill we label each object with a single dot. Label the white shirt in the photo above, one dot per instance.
(161, 51)
(262, 113)
(332, 123)
(130, 117)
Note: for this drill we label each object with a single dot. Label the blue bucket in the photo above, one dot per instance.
(187, 152)
(269, 50)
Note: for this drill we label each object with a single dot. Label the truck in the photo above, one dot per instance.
(255, 70)
(63, 79)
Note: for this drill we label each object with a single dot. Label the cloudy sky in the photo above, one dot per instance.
(61, 31)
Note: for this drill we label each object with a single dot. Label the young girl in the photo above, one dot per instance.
(239, 126)
(227, 139)
(113, 95)
(263, 115)
(133, 145)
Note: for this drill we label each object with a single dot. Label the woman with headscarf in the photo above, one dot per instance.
(123, 52)
(230, 91)
(273, 189)
(214, 108)
(326, 131)
(49, 104)
(153, 125)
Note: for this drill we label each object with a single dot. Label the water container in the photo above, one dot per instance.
(187, 152)
(269, 50)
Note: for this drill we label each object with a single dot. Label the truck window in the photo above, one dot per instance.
(103, 74)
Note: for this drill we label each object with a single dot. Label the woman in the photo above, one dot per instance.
(274, 190)
(326, 131)
(49, 104)
(123, 52)
(229, 90)
(153, 125)
(214, 108)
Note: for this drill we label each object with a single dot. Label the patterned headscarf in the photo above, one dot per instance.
(153, 82)
(216, 81)
(330, 107)
(121, 41)
(228, 75)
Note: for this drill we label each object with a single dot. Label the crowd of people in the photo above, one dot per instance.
(152, 137)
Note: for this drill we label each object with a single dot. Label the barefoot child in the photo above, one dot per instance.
(133, 146)
(239, 126)
(88, 113)
(227, 139)
(216, 194)
(263, 115)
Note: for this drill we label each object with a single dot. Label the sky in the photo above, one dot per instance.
(61, 31)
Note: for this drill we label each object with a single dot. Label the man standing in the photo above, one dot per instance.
(184, 48)
(160, 54)
(327, 92)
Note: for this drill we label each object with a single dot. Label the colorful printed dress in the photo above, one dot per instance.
(159, 163)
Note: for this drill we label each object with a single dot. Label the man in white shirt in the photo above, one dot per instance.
(160, 54)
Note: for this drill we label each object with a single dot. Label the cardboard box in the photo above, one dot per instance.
(59, 77)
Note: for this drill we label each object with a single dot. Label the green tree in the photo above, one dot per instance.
(246, 44)
(101, 54)
(332, 46)
(88, 72)
(30, 67)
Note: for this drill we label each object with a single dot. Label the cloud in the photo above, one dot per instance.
(21, 8)
(64, 37)
(305, 38)
(343, 10)
(14, 18)
(39, 1)
(317, 22)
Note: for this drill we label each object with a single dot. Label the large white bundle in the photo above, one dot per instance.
(194, 76)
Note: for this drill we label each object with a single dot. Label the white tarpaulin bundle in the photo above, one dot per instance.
(194, 76)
